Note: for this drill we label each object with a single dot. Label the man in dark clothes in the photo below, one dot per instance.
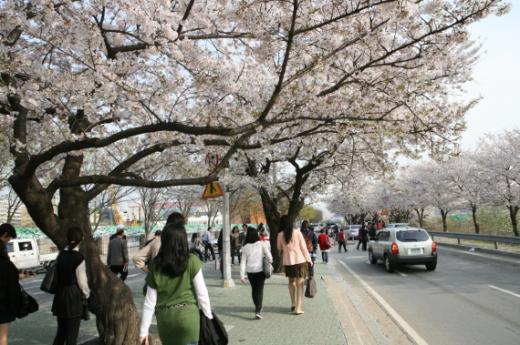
(117, 258)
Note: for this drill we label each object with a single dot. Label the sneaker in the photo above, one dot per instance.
(258, 316)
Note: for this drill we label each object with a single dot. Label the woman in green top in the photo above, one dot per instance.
(176, 291)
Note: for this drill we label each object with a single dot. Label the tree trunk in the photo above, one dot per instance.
(272, 217)
(444, 215)
(475, 221)
(117, 318)
(420, 216)
(513, 211)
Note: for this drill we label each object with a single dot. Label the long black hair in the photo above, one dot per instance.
(286, 227)
(173, 256)
(304, 227)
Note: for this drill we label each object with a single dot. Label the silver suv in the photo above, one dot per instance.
(403, 246)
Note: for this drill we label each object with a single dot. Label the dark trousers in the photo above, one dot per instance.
(257, 281)
(325, 256)
(342, 244)
(68, 330)
(235, 252)
(209, 247)
(360, 241)
(311, 268)
(119, 269)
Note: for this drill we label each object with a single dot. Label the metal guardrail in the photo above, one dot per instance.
(477, 237)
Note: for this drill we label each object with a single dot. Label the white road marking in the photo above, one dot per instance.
(357, 257)
(401, 323)
(505, 291)
(402, 274)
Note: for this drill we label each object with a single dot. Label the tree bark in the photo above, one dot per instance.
(513, 211)
(444, 215)
(117, 318)
(475, 220)
(420, 216)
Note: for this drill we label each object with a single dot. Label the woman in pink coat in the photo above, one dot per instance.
(296, 261)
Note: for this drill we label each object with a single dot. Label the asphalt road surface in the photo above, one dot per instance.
(470, 298)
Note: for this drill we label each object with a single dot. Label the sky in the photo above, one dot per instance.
(496, 77)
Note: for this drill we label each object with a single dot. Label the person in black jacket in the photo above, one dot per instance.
(9, 285)
(72, 289)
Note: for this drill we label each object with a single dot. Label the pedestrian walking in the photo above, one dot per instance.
(363, 237)
(150, 250)
(196, 245)
(220, 247)
(72, 289)
(235, 244)
(253, 255)
(296, 261)
(10, 297)
(342, 242)
(207, 241)
(176, 292)
(361, 231)
(117, 257)
(324, 243)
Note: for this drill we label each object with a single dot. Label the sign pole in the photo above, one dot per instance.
(226, 245)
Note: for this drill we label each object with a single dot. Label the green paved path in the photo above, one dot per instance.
(234, 306)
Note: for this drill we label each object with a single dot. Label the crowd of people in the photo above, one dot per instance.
(174, 288)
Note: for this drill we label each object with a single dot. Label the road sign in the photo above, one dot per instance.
(212, 190)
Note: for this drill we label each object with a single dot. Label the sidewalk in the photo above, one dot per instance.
(319, 324)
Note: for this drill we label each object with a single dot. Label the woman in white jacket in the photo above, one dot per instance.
(253, 254)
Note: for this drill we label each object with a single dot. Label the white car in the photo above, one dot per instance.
(403, 246)
(353, 231)
(25, 254)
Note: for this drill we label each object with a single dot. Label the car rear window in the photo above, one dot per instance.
(412, 236)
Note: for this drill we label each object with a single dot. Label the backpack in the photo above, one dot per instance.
(308, 243)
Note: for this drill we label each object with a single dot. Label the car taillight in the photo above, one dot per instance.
(434, 247)
(394, 248)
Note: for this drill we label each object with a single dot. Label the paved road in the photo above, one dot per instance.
(469, 299)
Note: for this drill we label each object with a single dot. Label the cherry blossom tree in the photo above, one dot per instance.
(498, 159)
(466, 177)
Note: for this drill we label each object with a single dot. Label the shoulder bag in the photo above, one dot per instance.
(268, 268)
(50, 281)
(28, 304)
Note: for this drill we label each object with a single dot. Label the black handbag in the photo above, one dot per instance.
(212, 332)
(28, 304)
(50, 281)
(310, 288)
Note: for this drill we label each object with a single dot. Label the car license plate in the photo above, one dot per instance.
(415, 251)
